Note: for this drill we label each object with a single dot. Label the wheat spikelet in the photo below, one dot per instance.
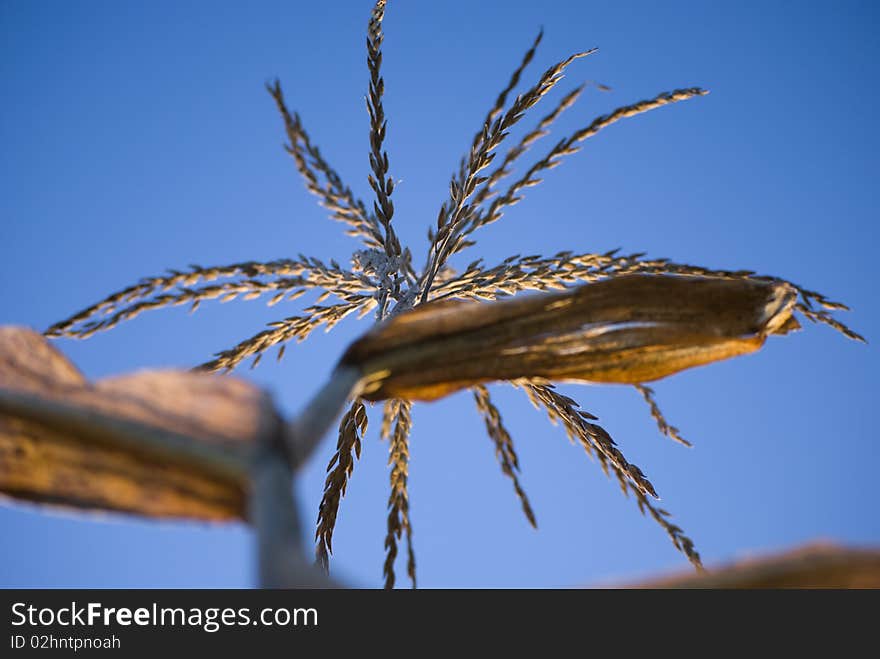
(518, 273)
(504, 450)
(248, 289)
(379, 180)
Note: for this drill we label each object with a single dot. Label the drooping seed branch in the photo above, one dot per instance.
(333, 194)
(455, 213)
(348, 449)
(504, 450)
(399, 428)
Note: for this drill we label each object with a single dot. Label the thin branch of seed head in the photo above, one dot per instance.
(486, 190)
(569, 146)
(296, 327)
(248, 289)
(592, 436)
(563, 409)
(676, 534)
(382, 184)
(379, 179)
(389, 412)
(578, 425)
(496, 109)
(455, 213)
(663, 425)
(352, 428)
(334, 194)
(398, 500)
(518, 273)
(504, 450)
(825, 318)
(177, 288)
(501, 100)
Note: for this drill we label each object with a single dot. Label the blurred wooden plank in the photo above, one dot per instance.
(626, 330)
(44, 463)
(818, 565)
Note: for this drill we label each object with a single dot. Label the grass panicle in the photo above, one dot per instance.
(381, 277)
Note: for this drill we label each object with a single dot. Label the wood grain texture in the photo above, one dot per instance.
(625, 330)
(67, 466)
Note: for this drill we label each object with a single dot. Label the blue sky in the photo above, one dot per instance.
(138, 137)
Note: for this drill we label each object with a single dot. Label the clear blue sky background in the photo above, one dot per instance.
(137, 137)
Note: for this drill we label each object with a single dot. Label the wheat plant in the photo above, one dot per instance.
(383, 279)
